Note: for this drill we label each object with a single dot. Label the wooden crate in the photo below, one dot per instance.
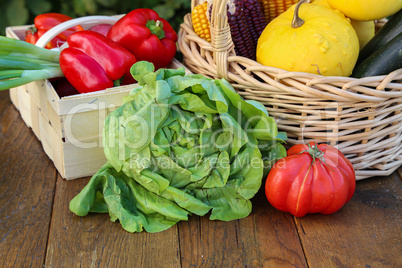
(69, 128)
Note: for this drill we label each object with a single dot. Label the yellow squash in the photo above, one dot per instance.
(366, 9)
(325, 43)
(321, 2)
(365, 30)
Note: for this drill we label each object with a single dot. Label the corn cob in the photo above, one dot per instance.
(246, 25)
(273, 8)
(200, 21)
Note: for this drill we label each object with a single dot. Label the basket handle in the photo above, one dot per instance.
(221, 39)
(84, 21)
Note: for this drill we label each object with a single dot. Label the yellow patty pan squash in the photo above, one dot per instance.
(365, 30)
(320, 2)
(367, 9)
(324, 43)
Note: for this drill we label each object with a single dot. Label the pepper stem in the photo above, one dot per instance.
(116, 83)
(31, 29)
(297, 21)
(156, 28)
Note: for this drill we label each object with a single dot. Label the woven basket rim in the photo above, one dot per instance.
(224, 63)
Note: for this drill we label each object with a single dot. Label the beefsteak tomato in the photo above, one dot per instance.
(312, 178)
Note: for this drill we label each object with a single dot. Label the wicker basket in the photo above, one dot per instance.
(361, 117)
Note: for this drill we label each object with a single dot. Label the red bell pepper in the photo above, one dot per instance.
(31, 35)
(101, 28)
(44, 22)
(92, 62)
(146, 35)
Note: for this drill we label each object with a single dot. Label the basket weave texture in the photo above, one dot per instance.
(361, 117)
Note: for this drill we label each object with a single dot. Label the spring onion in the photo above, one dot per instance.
(22, 63)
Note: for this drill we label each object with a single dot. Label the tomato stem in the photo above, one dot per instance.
(315, 152)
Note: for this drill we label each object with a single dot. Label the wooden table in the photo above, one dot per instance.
(38, 230)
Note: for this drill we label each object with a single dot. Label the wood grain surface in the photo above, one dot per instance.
(38, 230)
(367, 232)
(266, 238)
(95, 241)
(27, 185)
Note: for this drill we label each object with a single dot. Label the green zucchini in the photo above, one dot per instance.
(383, 61)
(391, 28)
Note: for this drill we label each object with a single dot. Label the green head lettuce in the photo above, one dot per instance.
(179, 145)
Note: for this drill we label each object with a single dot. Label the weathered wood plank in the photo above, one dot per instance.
(367, 232)
(94, 240)
(27, 181)
(266, 238)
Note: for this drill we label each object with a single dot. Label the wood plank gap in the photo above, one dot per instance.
(236, 231)
(179, 247)
(56, 173)
(300, 240)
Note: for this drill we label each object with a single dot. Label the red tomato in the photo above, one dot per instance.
(311, 179)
